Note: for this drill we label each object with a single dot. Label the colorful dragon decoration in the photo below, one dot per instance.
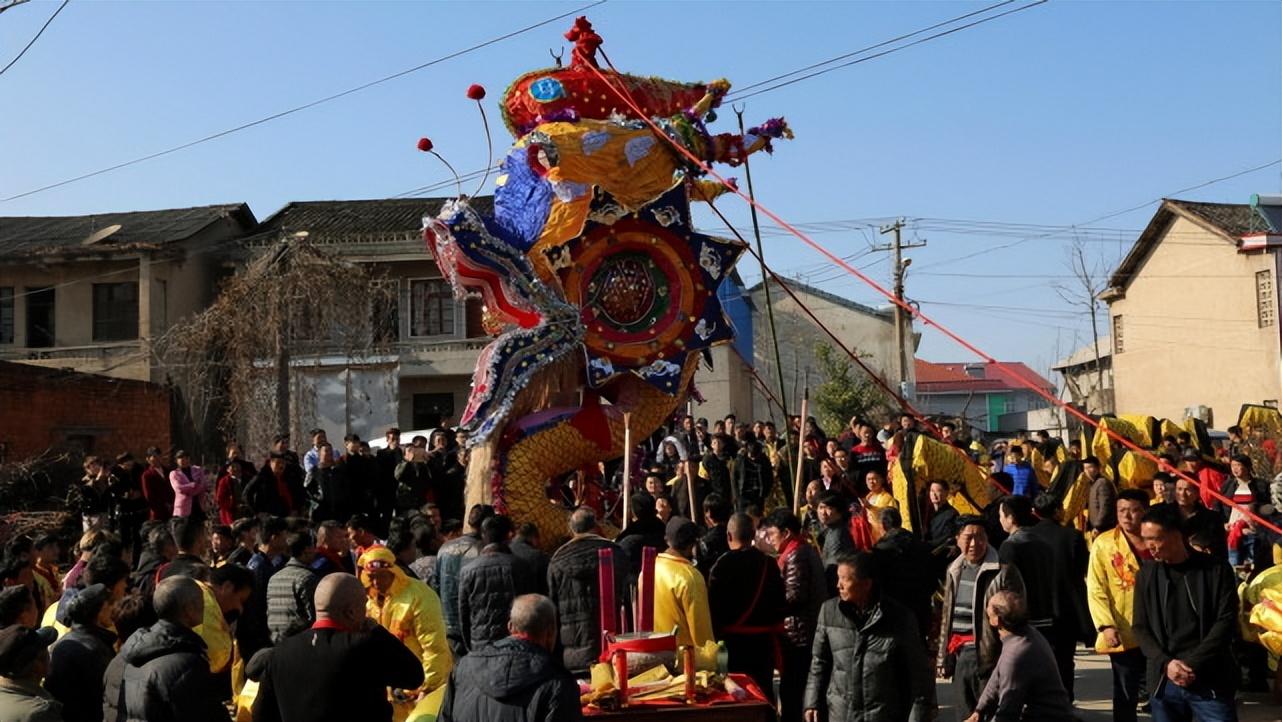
(600, 294)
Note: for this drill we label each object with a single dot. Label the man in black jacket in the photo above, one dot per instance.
(1034, 560)
(488, 585)
(166, 671)
(869, 660)
(1069, 557)
(573, 588)
(515, 679)
(745, 594)
(340, 669)
(1185, 619)
(804, 593)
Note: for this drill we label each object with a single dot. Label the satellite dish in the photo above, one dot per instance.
(100, 234)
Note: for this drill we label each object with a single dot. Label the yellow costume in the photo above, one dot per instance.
(1110, 587)
(214, 630)
(681, 601)
(411, 611)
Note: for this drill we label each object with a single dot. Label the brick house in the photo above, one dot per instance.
(46, 410)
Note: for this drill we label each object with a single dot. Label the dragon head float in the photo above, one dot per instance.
(598, 291)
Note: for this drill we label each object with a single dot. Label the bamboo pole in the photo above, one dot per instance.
(801, 430)
(627, 468)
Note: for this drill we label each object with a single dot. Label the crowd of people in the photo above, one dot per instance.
(341, 585)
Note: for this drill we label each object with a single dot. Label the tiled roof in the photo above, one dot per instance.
(40, 235)
(345, 218)
(952, 377)
(799, 287)
(1230, 221)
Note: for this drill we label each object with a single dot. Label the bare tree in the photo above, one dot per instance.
(1088, 281)
(290, 303)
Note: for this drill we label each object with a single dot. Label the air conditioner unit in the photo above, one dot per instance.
(1202, 413)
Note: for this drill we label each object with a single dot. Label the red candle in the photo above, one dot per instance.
(646, 592)
(605, 582)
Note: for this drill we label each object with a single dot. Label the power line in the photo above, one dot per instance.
(1106, 216)
(37, 37)
(744, 96)
(298, 108)
(870, 47)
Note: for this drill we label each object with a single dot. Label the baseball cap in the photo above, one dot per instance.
(19, 645)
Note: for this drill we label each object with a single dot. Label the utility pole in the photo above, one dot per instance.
(901, 338)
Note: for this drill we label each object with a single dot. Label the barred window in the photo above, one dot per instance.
(1117, 334)
(115, 311)
(431, 308)
(1265, 312)
(6, 314)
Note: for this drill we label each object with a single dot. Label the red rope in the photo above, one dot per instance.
(915, 312)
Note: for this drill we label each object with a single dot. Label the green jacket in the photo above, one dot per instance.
(27, 702)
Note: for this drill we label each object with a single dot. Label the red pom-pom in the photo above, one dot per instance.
(475, 91)
(425, 144)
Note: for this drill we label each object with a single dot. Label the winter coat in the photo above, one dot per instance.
(263, 496)
(535, 561)
(573, 588)
(166, 677)
(27, 702)
(753, 479)
(1068, 550)
(874, 671)
(450, 559)
(189, 486)
(158, 493)
(290, 604)
(511, 680)
(907, 575)
(486, 590)
(993, 576)
(1042, 584)
(77, 663)
(804, 591)
(834, 542)
(330, 675)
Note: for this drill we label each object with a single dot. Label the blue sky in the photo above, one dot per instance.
(1052, 116)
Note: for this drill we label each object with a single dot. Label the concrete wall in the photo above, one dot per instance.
(727, 387)
(43, 409)
(1190, 334)
(872, 336)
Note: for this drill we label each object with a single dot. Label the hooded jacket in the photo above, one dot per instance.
(411, 611)
(166, 677)
(511, 680)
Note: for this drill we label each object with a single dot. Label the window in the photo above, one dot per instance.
(1117, 334)
(6, 314)
(40, 315)
(1264, 306)
(115, 311)
(431, 308)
